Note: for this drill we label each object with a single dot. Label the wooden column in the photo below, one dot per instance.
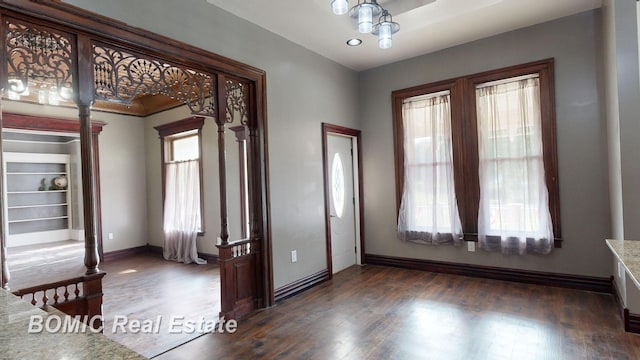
(222, 168)
(6, 275)
(84, 99)
(91, 255)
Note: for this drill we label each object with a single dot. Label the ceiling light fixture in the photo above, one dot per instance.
(340, 7)
(364, 12)
(385, 28)
(354, 42)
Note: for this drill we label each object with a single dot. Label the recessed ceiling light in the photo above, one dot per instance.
(354, 42)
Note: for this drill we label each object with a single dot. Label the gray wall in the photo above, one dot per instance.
(623, 106)
(304, 89)
(575, 43)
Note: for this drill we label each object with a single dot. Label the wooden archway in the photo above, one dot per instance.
(104, 61)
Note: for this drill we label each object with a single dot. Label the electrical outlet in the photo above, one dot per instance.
(294, 256)
(110, 236)
(471, 246)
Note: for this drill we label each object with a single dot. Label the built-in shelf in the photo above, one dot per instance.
(34, 206)
(36, 192)
(37, 219)
(32, 213)
(37, 173)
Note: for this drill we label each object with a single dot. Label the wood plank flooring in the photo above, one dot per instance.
(146, 286)
(38, 264)
(375, 312)
(142, 287)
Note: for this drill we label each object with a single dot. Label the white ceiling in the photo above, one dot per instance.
(425, 25)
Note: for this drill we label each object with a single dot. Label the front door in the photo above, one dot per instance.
(341, 201)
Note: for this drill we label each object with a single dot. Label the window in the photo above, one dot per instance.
(337, 188)
(476, 160)
(182, 172)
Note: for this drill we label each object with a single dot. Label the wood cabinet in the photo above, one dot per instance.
(37, 210)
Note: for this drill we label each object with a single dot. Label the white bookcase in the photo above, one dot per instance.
(35, 214)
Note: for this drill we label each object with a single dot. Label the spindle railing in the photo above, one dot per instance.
(77, 296)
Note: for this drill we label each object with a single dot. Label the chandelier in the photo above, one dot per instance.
(364, 12)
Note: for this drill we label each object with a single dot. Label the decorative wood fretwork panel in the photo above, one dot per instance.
(40, 57)
(237, 102)
(121, 76)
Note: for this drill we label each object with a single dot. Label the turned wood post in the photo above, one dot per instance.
(222, 168)
(84, 99)
(6, 275)
(91, 256)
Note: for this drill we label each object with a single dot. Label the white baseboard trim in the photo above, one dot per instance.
(41, 237)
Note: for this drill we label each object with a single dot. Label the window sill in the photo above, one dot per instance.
(557, 242)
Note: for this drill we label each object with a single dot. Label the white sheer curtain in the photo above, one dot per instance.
(514, 202)
(428, 211)
(182, 211)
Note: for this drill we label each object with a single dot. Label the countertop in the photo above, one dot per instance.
(17, 343)
(628, 252)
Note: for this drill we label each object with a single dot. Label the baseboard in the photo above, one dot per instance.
(154, 249)
(124, 253)
(631, 321)
(211, 258)
(303, 284)
(588, 283)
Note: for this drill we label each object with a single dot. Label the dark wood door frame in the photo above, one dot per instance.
(355, 134)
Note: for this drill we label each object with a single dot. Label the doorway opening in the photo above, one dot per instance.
(344, 217)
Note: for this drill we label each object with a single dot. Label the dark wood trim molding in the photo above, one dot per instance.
(45, 123)
(124, 253)
(631, 321)
(602, 285)
(155, 249)
(187, 124)
(465, 138)
(301, 285)
(173, 128)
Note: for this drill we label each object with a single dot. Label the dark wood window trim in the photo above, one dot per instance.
(193, 123)
(465, 139)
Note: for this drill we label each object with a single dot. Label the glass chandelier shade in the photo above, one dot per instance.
(365, 11)
(384, 29)
(340, 7)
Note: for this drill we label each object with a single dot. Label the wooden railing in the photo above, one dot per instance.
(78, 296)
(239, 261)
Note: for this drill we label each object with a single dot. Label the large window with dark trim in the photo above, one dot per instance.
(181, 153)
(476, 160)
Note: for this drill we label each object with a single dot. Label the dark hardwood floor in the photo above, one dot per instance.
(141, 287)
(146, 286)
(368, 312)
(375, 312)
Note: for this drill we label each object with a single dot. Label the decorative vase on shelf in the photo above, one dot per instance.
(43, 185)
(59, 183)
